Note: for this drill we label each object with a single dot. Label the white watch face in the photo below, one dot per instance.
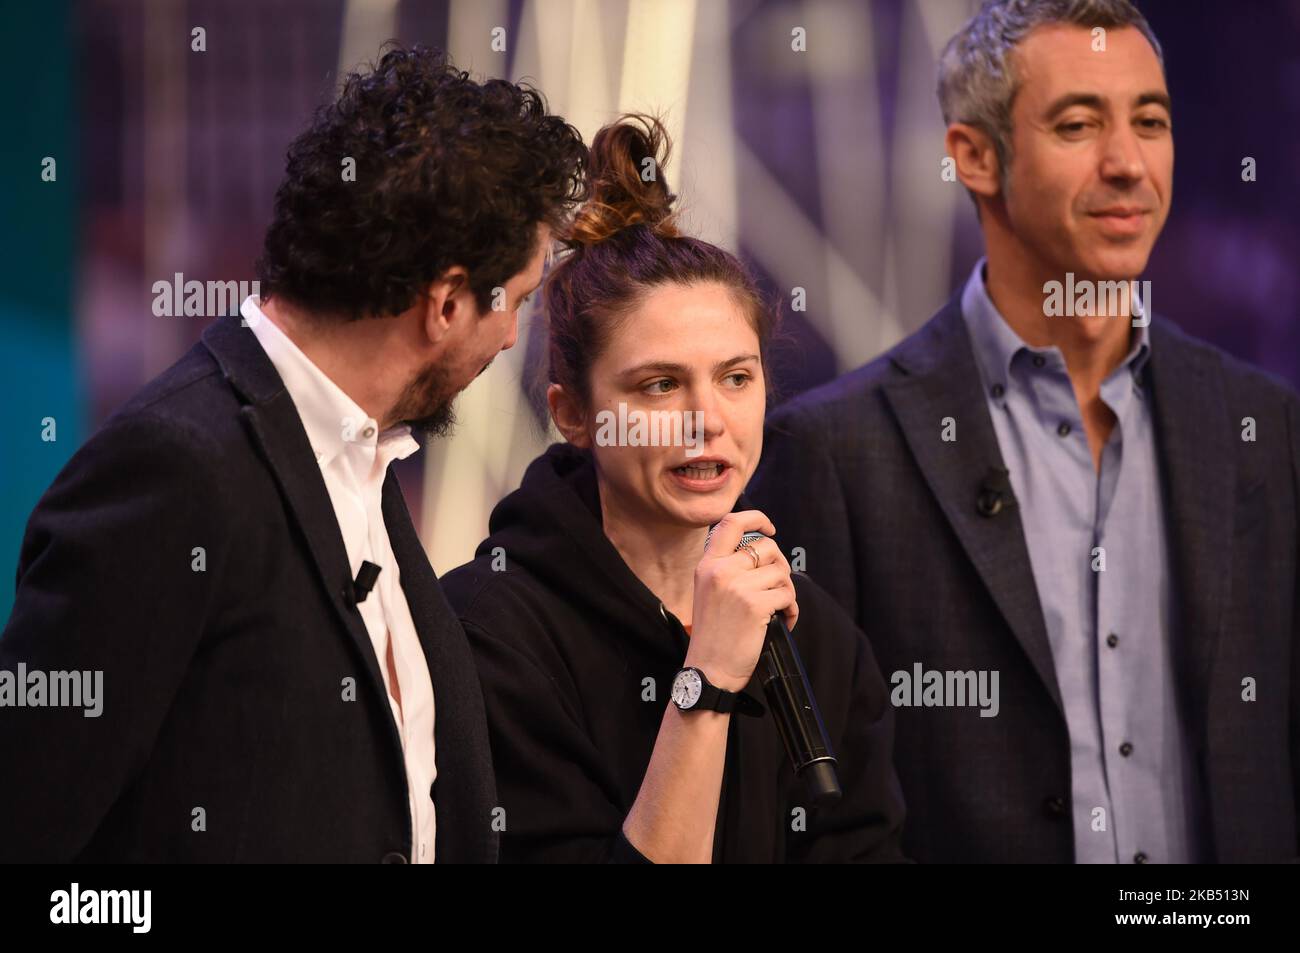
(686, 688)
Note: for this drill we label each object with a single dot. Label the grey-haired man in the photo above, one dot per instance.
(1045, 483)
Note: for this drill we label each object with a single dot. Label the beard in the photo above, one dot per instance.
(425, 405)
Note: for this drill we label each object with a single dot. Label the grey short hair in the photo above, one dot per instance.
(977, 83)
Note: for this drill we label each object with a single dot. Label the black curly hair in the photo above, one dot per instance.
(448, 171)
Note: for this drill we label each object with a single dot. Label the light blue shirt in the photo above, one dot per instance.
(1134, 796)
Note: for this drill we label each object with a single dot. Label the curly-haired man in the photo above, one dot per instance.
(229, 558)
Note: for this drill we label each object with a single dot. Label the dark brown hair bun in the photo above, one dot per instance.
(627, 182)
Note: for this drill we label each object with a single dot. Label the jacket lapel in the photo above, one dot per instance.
(1196, 438)
(464, 801)
(276, 428)
(941, 379)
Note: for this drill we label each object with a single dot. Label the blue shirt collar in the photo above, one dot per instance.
(996, 344)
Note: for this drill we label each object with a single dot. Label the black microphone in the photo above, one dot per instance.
(995, 492)
(794, 708)
(365, 580)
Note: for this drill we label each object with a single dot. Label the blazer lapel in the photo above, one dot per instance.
(1196, 442)
(275, 426)
(942, 380)
(464, 802)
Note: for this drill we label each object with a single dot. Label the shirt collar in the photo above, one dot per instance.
(332, 419)
(996, 344)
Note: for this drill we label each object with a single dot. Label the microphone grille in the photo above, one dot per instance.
(751, 536)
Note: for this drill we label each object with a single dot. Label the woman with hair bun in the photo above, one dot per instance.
(616, 648)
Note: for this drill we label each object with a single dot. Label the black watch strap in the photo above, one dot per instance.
(713, 698)
(717, 699)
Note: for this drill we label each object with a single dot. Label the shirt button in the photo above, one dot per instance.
(1126, 749)
(394, 857)
(998, 390)
(1039, 360)
(1139, 858)
(368, 432)
(1112, 640)
(1063, 429)
(1054, 806)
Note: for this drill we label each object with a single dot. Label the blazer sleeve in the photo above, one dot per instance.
(560, 806)
(109, 581)
(866, 824)
(798, 486)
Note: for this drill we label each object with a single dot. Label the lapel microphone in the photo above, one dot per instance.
(794, 708)
(994, 492)
(365, 580)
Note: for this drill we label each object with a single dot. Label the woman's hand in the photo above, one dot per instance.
(735, 599)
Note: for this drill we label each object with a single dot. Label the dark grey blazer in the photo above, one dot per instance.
(224, 689)
(856, 474)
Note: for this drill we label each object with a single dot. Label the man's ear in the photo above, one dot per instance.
(570, 419)
(449, 300)
(976, 158)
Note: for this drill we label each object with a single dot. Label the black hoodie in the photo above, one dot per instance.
(576, 658)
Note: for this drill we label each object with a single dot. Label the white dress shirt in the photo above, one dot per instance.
(354, 457)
